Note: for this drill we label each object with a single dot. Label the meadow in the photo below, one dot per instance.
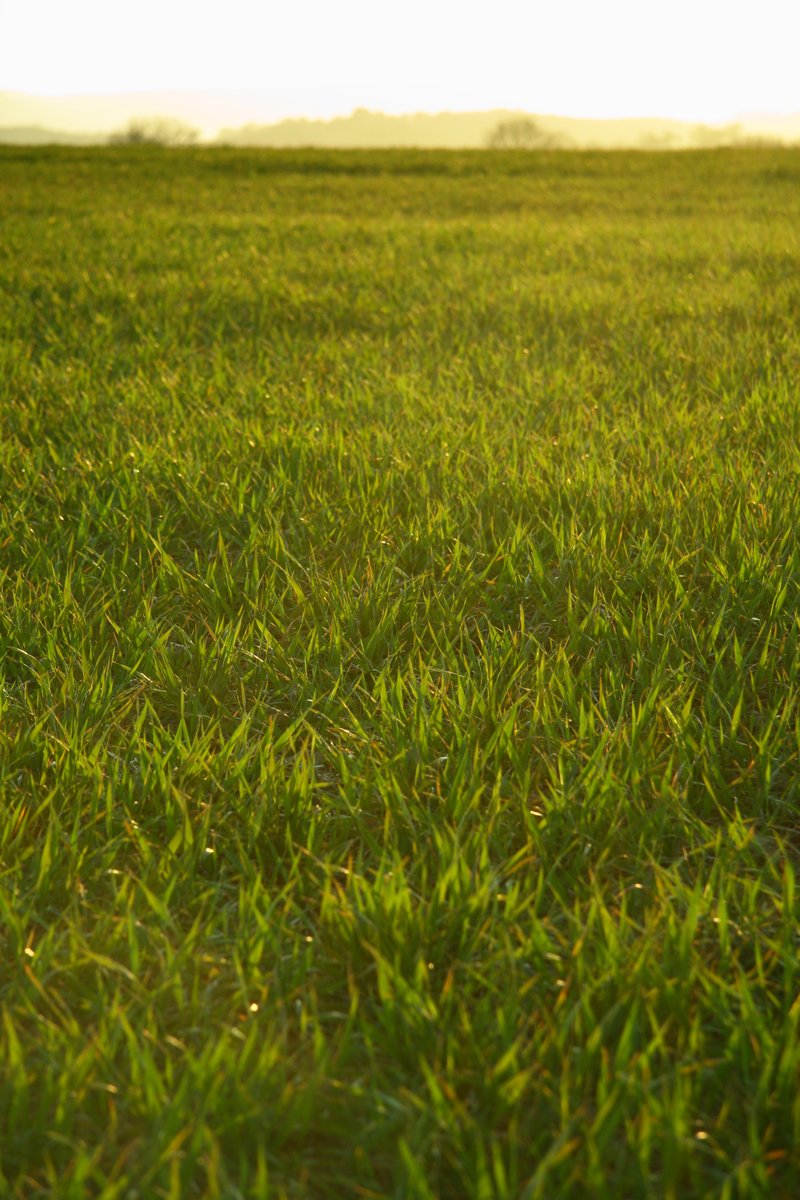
(399, 628)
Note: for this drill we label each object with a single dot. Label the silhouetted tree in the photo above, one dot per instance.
(712, 136)
(521, 133)
(664, 139)
(155, 131)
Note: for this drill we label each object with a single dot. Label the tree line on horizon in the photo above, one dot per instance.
(508, 132)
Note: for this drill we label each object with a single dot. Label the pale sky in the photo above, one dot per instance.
(699, 60)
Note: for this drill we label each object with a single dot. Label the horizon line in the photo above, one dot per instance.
(350, 110)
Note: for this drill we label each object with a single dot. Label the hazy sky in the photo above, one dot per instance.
(694, 59)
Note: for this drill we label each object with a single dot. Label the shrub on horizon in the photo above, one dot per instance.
(155, 131)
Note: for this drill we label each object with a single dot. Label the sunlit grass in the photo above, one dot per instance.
(399, 730)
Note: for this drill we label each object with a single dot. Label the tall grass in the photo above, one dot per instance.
(399, 728)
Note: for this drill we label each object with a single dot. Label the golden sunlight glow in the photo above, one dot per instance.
(704, 60)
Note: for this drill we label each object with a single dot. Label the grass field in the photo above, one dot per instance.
(400, 626)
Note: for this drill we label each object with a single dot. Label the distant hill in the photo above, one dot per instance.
(36, 135)
(463, 130)
(250, 118)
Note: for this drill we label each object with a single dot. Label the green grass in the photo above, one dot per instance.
(400, 627)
